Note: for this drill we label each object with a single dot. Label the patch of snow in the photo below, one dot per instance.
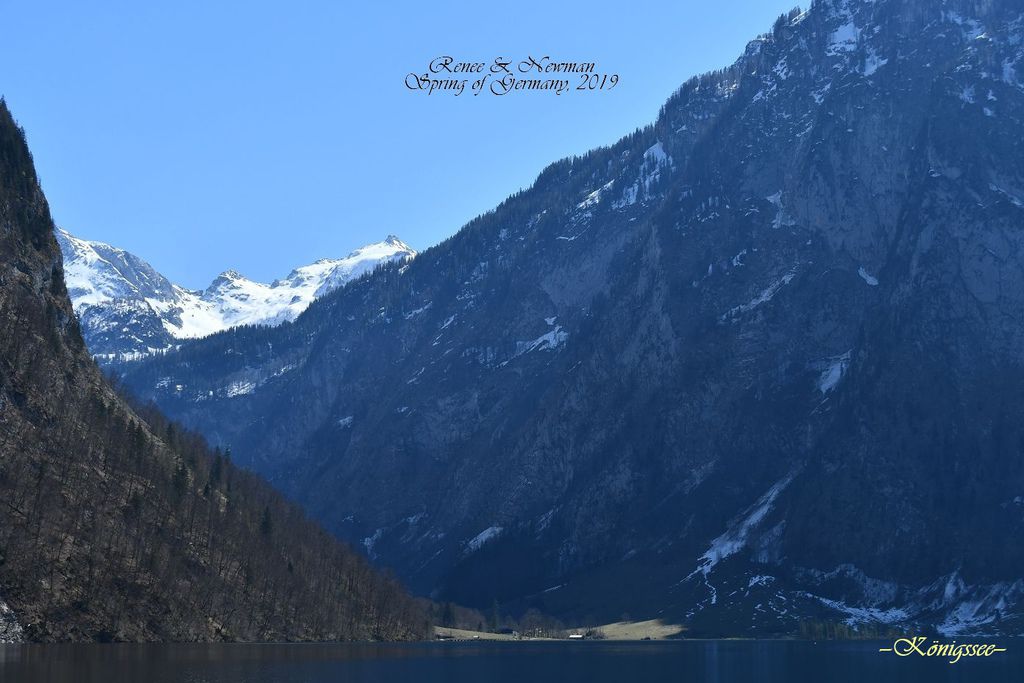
(872, 63)
(726, 89)
(549, 341)
(735, 537)
(10, 629)
(415, 312)
(969, 609)
(861, 615)
(867, 277)
(766, 295)
(833, 372)
(629, 196)
(415, 519)
(485, 536)
(655, 159)
(594, 198)
(782, 219)
(819, 94)
(972, 29)
(657, 153)
(239, 388)
(573, 238)
(843, 39)
(1014, 199)
(370, 541)
(965, 609)
(284, 369)
(781, 69)
(545, 521)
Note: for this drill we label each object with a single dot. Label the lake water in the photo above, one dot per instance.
(522, 662)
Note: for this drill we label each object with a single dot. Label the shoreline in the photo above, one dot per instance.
(652, 629)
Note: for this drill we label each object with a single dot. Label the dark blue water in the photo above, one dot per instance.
(522, 662)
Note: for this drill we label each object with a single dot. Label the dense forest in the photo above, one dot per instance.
(115, 524)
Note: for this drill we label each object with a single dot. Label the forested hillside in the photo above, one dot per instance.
(120, 526)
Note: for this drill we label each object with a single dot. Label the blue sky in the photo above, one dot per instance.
(261, 136)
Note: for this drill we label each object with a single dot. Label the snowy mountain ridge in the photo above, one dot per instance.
(128, 309)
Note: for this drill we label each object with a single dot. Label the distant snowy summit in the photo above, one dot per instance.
(128, 310)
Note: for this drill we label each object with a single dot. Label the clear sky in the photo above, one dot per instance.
(263, 135)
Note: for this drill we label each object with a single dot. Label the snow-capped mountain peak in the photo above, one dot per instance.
(394, 241)
(98, 273)
(230, 275)
(128, 309)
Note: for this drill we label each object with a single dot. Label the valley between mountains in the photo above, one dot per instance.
(756, 365)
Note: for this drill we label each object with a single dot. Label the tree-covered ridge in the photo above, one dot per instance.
(116, 524)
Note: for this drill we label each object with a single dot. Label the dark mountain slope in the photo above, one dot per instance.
(112, 527)
(757, 363)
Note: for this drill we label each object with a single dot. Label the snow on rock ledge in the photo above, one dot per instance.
(481, 539)
(10, 629)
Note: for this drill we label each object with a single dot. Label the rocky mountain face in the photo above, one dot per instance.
(10, 629)
(128, 310)
(757, 364)
(117, 525)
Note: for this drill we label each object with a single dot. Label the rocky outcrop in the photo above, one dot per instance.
(10, 629)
